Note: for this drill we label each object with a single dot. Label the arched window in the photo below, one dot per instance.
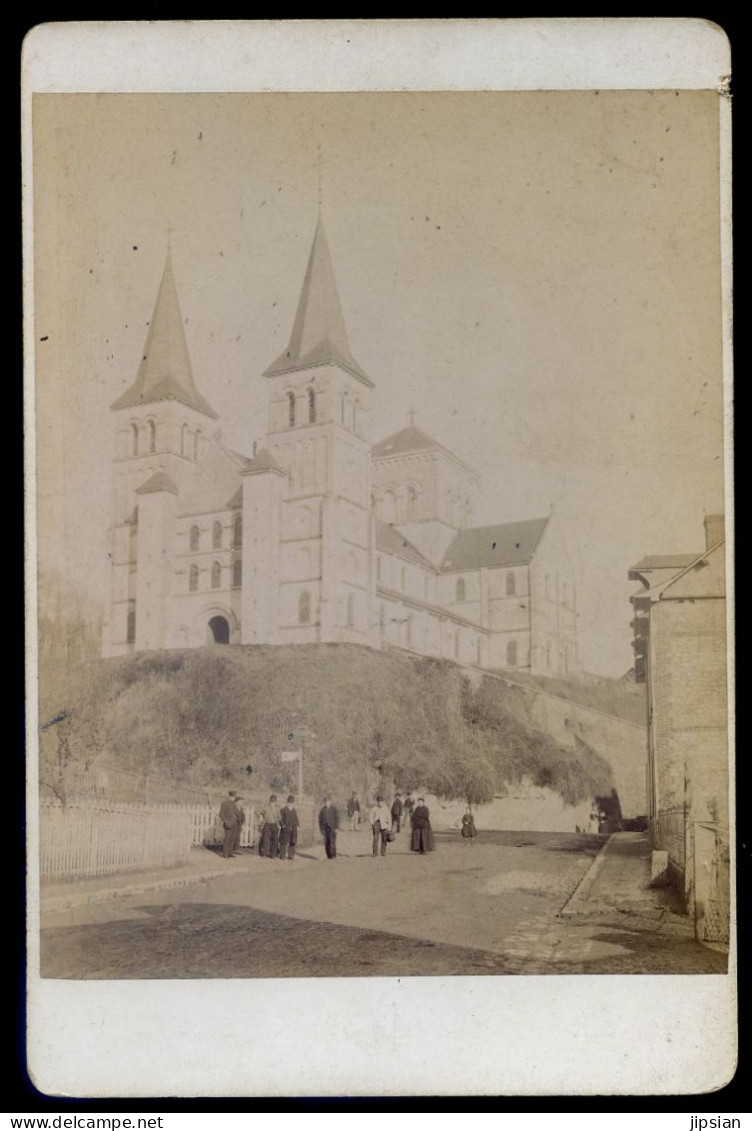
(389, 507)
(311, 406)
(512, 654)
(194, 537)
(237, 533)
(152, 436)
(131, 627)
(456, 644)
(350, 610)
(196, 443)
(382, 619)
(134, 439)
(511, 584)
(460, 593)
(291, 410)
(410, 501)
(216, 575)
(217, 536)
(378, 569)
(304, 607)
(193, 579)
(184, 439)
(237, 573)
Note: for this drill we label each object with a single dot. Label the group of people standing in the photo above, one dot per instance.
(279, 827)
(386, 822)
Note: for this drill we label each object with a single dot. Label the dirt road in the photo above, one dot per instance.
(487, 909)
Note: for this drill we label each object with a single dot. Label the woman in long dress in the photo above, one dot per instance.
(468, 826)
(422, 835)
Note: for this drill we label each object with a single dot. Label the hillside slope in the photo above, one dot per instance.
(361, 716)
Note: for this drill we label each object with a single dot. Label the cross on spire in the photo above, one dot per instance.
(411, 415)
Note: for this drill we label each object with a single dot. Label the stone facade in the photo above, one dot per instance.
(680, 626)
(318, 536)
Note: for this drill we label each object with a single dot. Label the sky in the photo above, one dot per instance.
(537, 274)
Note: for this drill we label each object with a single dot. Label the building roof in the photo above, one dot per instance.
(158, 482)
(409, 439)
(262, 461)
(664, 561)
(318, 333)
(695, 580)
(506, 544)
(165, 371)
(392, 542)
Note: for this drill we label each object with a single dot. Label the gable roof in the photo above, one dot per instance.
(318, 334)
(392, 542)
(165, 371)
(506, 544)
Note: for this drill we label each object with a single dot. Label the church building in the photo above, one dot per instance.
(317, 535)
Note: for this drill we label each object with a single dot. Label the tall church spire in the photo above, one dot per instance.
(318, 333)
(165, 370)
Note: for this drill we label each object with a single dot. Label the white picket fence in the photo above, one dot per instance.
(206, 827)
(99, 838)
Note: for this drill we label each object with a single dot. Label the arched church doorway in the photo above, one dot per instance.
(220, 630)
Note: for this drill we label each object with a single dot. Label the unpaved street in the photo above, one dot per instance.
(490, 908)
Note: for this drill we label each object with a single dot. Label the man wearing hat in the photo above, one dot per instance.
(397, 812)
(288, 832)
(328, 825)
(381, 823)
(230, 818)
(269, 845)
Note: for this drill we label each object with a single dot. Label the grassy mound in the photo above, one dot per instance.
(361, 716)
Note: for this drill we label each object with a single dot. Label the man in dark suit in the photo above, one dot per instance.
(230, 818)
(328, 825)
(397, 812)
(288, 832)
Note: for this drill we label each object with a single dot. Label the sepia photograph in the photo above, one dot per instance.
(381, 513)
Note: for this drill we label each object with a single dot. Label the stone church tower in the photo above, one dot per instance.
(317, 464)
(161, 433)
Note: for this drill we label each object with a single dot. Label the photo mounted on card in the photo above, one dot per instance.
(380, 541)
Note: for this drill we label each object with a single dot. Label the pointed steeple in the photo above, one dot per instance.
(165, 371)
(318, 333)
